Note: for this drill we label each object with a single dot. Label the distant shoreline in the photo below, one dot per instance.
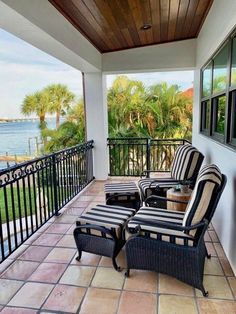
(6, 120)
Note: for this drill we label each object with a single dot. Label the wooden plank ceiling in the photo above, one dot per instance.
(112, 25)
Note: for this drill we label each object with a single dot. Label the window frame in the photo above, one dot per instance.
(229, 92)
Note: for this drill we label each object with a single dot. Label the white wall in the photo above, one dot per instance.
(219, 23)
(170, 56)
(96, 121)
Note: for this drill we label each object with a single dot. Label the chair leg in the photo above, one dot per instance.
(117, 268)
(207, 254)
(204, 292)
(79, 255)
(127, 273)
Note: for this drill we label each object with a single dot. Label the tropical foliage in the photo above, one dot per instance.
(55, 98)
(69, 133)
(60, 100)
(159, 111)
(37, 103)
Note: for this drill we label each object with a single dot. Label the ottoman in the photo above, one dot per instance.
(122, 194)
(99, 231)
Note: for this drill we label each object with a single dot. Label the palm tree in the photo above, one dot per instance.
(125, 99)
(69, 133)
(168, 108)
(37, 103)
(60, 99)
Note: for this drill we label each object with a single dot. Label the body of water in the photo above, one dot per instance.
(17, 138)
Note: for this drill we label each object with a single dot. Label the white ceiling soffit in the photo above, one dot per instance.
(179, 55)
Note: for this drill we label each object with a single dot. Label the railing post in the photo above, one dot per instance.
(148, 156)
(54, 179)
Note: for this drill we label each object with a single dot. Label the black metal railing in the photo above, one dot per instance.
(32, 192)
(132, 156)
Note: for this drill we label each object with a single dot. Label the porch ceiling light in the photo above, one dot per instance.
(145, 26)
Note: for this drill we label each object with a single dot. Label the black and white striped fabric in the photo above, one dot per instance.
(161, 234)
(110, 217)
(186, 163)
(124, 187)
(147, 185)
(208, 181)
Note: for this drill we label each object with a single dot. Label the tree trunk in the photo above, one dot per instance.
(42, 122)
(57, 119)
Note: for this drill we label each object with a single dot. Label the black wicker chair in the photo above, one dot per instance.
(172, 242)
(186, 165)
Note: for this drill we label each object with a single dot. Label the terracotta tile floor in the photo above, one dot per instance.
(43, 276)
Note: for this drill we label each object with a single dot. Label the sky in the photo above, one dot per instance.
(25, 69)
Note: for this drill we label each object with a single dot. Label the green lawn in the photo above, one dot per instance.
(22, 202)
(19, 203)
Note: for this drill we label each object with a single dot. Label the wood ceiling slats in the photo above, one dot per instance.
(137, 15)
(189, 18)
(199, 17)
(112, 25)
(156, 20)
(131, 27)
(173, 16)
(120, 18)
(104, 9)
(183, 8)
(165, 9)
(103, 22)
(84, 11)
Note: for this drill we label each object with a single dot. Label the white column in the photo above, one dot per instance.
(96, 120)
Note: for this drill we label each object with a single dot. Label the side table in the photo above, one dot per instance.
(178, 196)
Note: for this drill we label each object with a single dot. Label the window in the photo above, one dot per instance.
(206, 90)
(220, 70)
(233, 66)
(205, 116)
(218, 95)
(219, 115)
(233, 119)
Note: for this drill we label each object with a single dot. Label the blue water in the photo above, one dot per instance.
(15, 138)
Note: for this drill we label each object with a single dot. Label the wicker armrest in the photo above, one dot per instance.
(167, 225)
(156, 198)
(94, 227)
(164, 225)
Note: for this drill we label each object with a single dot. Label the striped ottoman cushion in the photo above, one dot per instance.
(162, 234)
(117, 188)
(108, 216)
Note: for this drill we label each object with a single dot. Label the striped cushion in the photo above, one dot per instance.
(186, 162)
(110, 217)
(199, 205)
(162, 234)
(185, 166)
(113, 188)
(148, 185)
